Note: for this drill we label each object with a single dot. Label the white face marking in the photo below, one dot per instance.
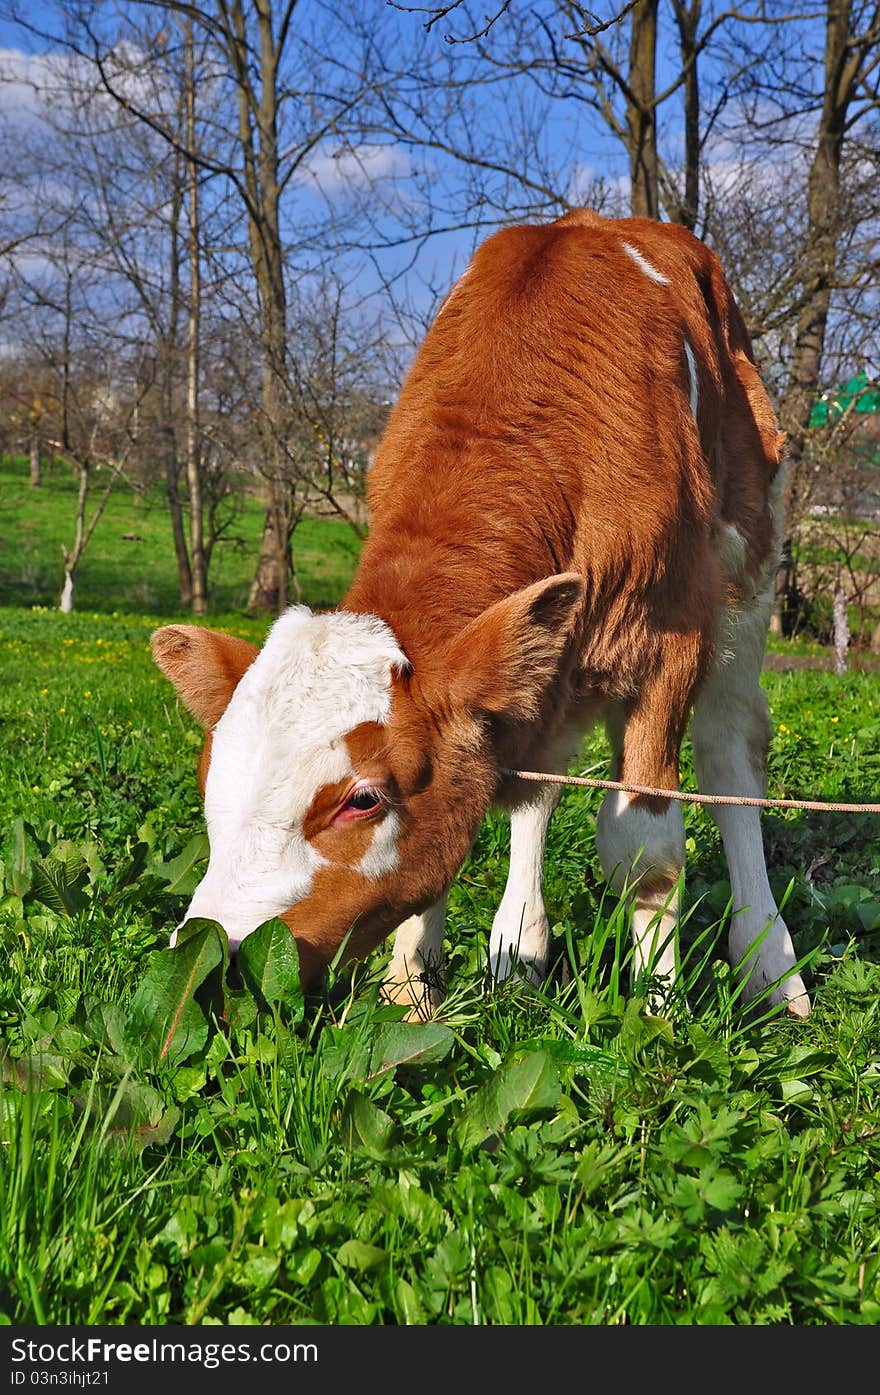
(695, 382)
(383, 854)
(281, 739)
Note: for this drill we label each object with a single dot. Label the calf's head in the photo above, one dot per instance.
(342, 785)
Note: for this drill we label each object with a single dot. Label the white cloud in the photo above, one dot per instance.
(587, 188)
(26, 80)
(37, 86)
(365, 165)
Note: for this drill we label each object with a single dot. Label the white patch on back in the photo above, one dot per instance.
(447, 299)
(280, 739)
(695, 382)
(644, 265)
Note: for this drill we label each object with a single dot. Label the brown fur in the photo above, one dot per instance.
(545, 520)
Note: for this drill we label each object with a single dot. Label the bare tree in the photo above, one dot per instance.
(808, 107)
(88, 414)
(602, 64)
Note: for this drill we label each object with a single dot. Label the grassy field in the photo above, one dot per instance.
(178, 1148)
(129, 563)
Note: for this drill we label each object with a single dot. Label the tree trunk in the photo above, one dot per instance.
(193, 464)
(258, 132)
(83, 531)
(823, 230)
(841, 631)
(72, 555)
(270, 589)
(168, 369)
(65, 600)
(820, 253)
(36, 467)
(175, 507)
(641, 116)
(688, 19)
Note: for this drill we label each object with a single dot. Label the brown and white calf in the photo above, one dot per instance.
(573, 519)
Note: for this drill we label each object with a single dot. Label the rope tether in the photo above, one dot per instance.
(542, 777)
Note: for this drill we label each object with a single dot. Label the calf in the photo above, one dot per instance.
(574, 518)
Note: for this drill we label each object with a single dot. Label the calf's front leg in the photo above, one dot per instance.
(415, 971)
(520, 939)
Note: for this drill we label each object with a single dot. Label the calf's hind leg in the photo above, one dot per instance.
(730, 733)
(640, 838)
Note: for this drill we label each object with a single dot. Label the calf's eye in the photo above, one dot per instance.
(361, 803)
(365, 799)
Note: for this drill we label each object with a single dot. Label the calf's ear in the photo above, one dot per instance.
(204, 666)
(505, 659)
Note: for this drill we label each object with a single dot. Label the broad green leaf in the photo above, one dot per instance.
(132, 1113)
(42, 1070)
(520, 1088)
(805, 1060)
(155, 1135)
(366, 1128)
(165, 1023)
(722, 1191)
(188, 1081)
(407, 1044)
(240, 1010)
(18, 868)
(104, 1023)
(269, 964)
(356, 1254)
(411, 1311)
(796, 1092)
(304, 1265)
(60, 882)
(418, 1207)
(181, 875)
(131, 872)
(191, 929)
(345, 1054)
(136, 1103)
(711, 1059)
(596, 1064)
(869, 915)
(78, 855)
(258, 1269)
(639, 1028)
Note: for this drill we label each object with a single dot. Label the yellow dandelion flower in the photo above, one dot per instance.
(835, 719)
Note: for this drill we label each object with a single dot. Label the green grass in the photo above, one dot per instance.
(544, 1157)
(131, 576)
